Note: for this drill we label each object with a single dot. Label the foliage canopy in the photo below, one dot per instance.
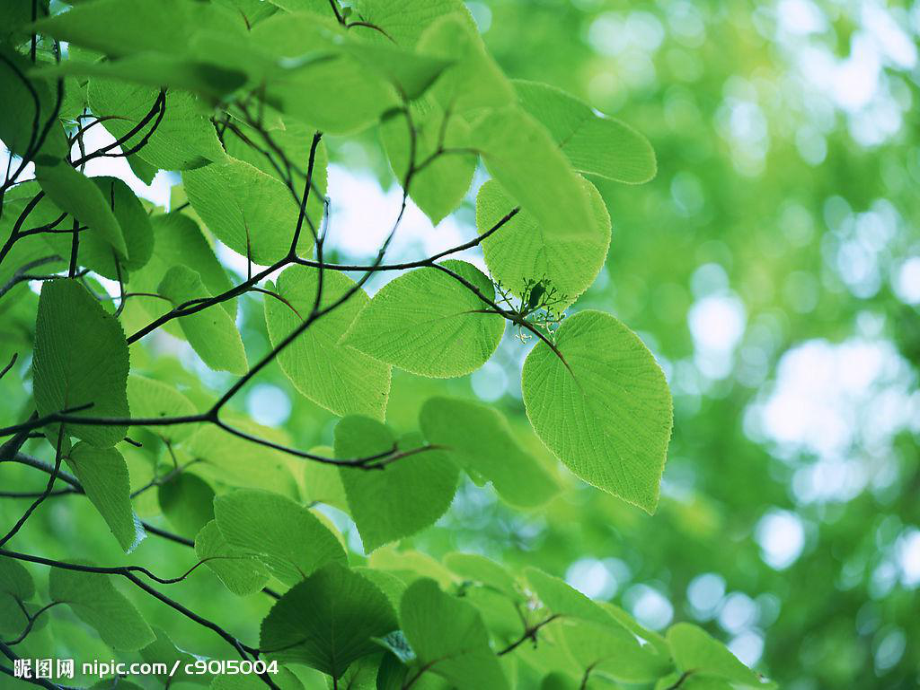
(151, 345)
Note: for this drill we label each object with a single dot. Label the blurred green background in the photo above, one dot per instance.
(773, 266)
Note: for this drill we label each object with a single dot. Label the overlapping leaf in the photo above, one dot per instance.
(602, 405)
(429, 323)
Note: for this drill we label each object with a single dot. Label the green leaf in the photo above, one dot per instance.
(76, 194)
(388, 583)
(411, 73)
(239, 570)
(96, 602)
(404, 497)
(81, 358)
(605, 411)
(474, 80)
(19, 115)
(694, 649)
(657, 641)
(227, 459)
(523, 251)
(309, 47)
(115, 683)
(287, 537)
(404, 21)
(183, 139)
(284, 679)
(157, 26)
(439, 186)
(294, 140)
(151, 399)
(104, 476)
(392, 673)
(520, 154)
(612, 651)
(209, 80)
(211, 332)
(327, 621)
(449, 638)
(410, 565)
(595, 143)
(186, 501)
(333, 376)
(322, 482)
(249, 211)
(15, 18)
(428, 323)
(476, 568)
(596, 638)
(559, 681)
(16, 585)
(563, 600)
(479, 440)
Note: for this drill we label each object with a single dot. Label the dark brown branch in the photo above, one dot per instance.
(38, 501)
(530, 633)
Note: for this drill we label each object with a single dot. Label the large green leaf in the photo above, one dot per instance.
(428, 323)
(287, 537)
(155, 25)
(449, 638)
(523, 251)
(76, 194)
(404, 21)
(81, 358)
(336, 377)
(16, 585)
(696, 650)
(104, 476)
(204, 78)
(95, 601)
(211, 332)
(328, 621)
(520, 153)
(612, 651)
(251, 212)
(237, 568)
(183, 139)
(605, 410)
(595, 144)
(479, 440)
(377, 499)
